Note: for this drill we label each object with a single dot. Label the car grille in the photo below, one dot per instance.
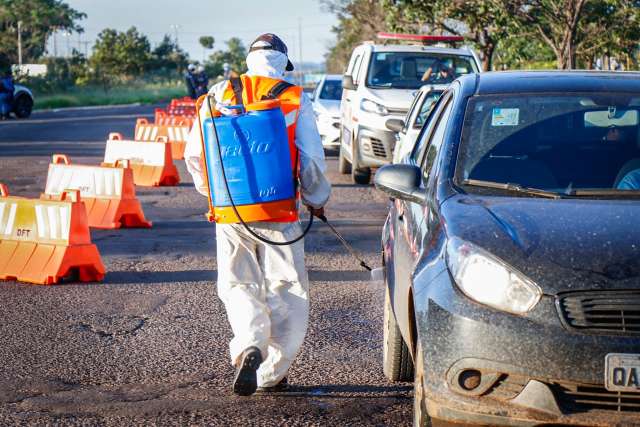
(583, 398)
(602, 311)
(378, 148)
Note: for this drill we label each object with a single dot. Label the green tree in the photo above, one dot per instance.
(358, 20)
(235, 55)
(207, 42)
(168, 59)
(40, 19)
(483, 22)
(120, 56)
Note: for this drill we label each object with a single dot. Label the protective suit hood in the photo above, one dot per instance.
(267, 63)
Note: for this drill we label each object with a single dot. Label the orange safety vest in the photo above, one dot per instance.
(258, 88)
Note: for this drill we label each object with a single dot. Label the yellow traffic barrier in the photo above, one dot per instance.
(46, 241)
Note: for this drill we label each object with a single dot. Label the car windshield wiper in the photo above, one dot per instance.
(517, 188)
(602, 192)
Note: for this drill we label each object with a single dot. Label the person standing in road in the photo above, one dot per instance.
(265, 288)
(6, 94)
(190, 80)
(202, 81)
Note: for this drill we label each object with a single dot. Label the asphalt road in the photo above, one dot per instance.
(148, 346)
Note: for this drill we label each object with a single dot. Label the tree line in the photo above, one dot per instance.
(507, 34)
(117, 57)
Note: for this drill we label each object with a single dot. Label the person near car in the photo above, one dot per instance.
(191, 81)
(265, 288)
(202, 81)
(7, 88)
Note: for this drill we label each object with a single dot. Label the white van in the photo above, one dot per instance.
(379, 84)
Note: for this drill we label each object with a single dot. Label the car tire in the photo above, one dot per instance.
(22, 106)
(420, 416)
(344, 167)
(361, 176)
(397, 364)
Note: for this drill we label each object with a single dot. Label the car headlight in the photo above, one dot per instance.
(487, 280)
(373, 107)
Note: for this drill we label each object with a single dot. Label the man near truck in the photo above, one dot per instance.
(264, 287)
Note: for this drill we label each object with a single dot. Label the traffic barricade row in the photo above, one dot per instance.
(108, 192)
(45, 241)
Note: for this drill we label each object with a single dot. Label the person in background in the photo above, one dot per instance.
(439, 73)
(202, 81)
(190, 79)
(6, 94)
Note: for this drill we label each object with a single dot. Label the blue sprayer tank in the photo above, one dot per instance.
(257, 162)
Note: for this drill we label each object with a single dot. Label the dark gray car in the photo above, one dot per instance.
(512, 252)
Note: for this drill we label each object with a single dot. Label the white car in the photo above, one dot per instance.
(407, 130)
(326, 105)
(379, 84)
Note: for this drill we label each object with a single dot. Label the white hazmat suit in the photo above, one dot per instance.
(265, 288)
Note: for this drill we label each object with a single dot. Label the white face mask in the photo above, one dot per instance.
(268, 63)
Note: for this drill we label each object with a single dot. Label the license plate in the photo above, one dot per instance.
(622, 372)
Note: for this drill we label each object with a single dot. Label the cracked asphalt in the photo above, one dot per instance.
(148, 346)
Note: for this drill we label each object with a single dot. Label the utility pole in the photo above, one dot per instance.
(300, 49)
(175, 28)
(20, 43)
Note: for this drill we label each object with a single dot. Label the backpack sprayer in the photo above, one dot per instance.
(249, 169)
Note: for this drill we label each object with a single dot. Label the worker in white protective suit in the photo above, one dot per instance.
(264, 287)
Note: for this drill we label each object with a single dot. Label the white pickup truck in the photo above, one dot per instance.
(379, 84)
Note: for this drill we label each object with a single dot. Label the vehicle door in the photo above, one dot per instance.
(349, 103)
(403, 144)
(409, 216)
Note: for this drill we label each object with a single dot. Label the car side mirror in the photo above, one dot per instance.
(347, 82)
(402, 182)
(395, 125)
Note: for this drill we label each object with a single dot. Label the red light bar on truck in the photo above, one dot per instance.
(424, 39)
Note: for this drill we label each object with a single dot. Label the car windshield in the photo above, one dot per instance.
(331, 90)
(570, 144)
(429, 100)
(410, 70)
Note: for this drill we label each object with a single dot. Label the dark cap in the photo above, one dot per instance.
(269, 41)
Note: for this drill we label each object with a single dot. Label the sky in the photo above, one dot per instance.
(191, 19)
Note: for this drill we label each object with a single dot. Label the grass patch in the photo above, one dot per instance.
(86, 96)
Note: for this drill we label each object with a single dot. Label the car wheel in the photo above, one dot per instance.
(344, 167)
(396, 359)
(22, 106)
(420, 416)
(361, 176)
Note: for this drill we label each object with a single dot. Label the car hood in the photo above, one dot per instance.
(328, 107)
(397, 99)
(562, 245)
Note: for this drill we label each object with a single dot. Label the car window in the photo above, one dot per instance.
(426, 132)
(561, 142)
(331, 90)
(435, 142)
(352, 62)
(429, 101)
(356, 70)
(411, 70)
(416, 100)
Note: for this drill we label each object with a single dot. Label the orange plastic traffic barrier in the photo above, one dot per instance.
(176, 135)
(150, 162)
(108, 192)
(46, 241)
(162, 118)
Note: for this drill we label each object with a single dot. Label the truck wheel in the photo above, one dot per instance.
(420, 416)
(361, 175)
(344, 167)
(397, 364)
(22, 106)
